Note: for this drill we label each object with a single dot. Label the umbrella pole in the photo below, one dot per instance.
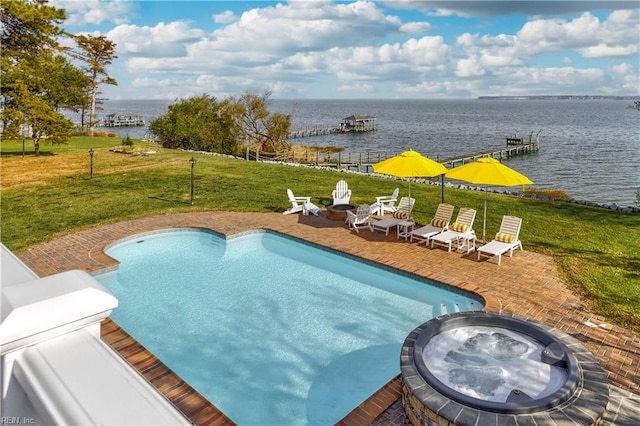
(442, 186)
(484, 221)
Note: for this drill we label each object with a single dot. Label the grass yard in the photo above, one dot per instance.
(597, 251)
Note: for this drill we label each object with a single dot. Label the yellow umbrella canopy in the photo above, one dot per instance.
(409, 164)
(487, 171)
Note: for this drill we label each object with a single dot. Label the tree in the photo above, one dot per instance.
(204, 123)
(29, 27)
(199, 123)
(29, 64)
(28, 92)
(96, 53)
(67, 85)
(269, 130)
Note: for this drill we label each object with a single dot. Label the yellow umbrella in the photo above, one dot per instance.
(409, 164)
(487, 171)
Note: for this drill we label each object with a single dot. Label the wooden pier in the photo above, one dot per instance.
(498, 154)
(364, 161)
(353, 124)
(313, 131)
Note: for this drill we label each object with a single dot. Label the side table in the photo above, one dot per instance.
(404, 229)
(467, 243)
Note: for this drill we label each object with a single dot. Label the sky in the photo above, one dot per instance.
(402, 49)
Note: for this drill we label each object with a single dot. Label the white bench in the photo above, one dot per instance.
(76, 379)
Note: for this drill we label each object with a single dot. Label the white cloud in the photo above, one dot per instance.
(469, 67)
(95, 12)
(303, 27)
(416, 27)
(209, 83)
(146, 82)
(559, 80)
(475, 8)
(227, 17)
(357, 88)
(162, 40)
(624, 69)
(586, 34)
(294, 48)
(602, 50)
(466, 39)
(423, 88)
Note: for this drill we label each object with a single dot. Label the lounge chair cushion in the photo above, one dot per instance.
(504, 237)
(401, 214)
(459, 227)
(439, 223)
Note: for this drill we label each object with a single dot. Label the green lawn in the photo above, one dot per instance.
(597, 251)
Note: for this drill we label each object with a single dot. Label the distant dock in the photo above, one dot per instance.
(123, 119)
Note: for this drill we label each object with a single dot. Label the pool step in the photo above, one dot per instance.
(448, 308)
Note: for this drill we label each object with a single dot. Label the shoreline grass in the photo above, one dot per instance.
(597, 251)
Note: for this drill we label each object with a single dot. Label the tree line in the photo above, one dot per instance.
(40, 77)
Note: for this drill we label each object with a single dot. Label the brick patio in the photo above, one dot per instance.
(527, 284)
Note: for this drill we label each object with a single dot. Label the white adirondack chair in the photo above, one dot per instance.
(359, 219)
(387, 203)
(301, 204)
(342, 193)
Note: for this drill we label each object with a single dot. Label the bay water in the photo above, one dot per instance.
(589, 149)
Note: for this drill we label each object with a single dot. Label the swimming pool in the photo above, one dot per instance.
(271, 330)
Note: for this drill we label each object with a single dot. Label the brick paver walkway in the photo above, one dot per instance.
(527, 284)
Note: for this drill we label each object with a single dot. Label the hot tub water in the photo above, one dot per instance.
(489, 363)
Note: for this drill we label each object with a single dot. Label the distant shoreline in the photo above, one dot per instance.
(559, 97)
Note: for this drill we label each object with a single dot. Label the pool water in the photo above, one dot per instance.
(271, 330)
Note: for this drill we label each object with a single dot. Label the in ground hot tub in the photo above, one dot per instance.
(475, 368)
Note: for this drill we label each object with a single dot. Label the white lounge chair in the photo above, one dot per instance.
(387, 203)
(359, 219)
(438, 224)
(342, 193)
(460, 232)
(402, 214)
(301, 204)
(506, 240)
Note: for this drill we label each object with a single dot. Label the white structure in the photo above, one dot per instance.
(54, 367)
(342, 193)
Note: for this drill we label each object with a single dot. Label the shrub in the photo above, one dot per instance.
(80, 131)
(549, 192)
